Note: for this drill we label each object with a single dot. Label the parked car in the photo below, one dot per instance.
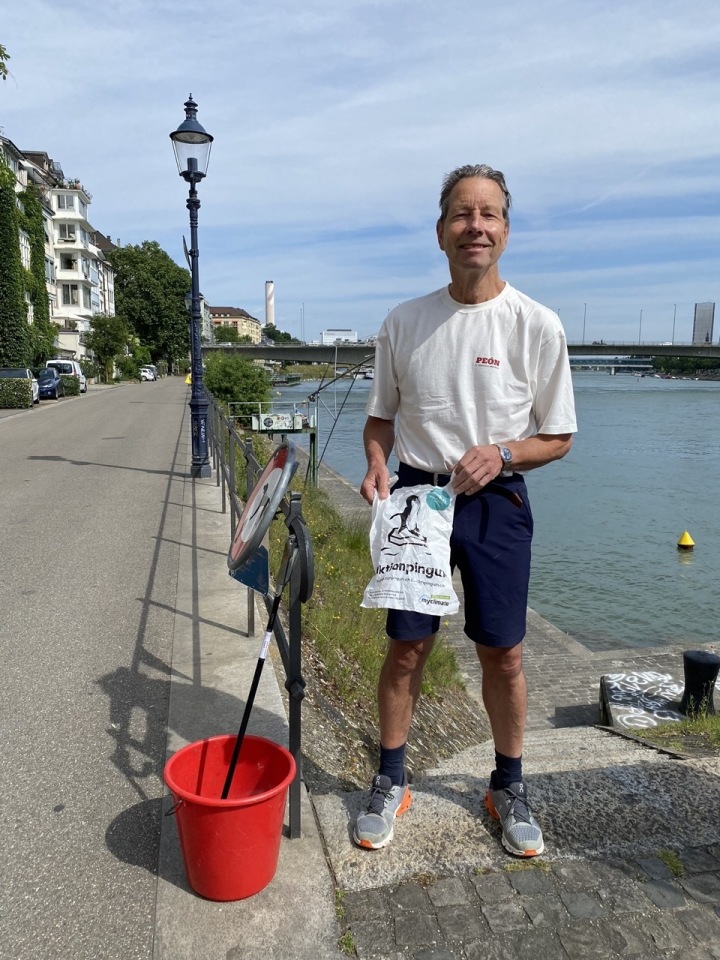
(69, 368)
(146, 373)
(22, 373)
(51, 385)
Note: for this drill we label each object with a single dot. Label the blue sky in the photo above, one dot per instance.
(335, 120)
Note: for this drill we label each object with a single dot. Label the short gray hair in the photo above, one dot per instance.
(481, 170)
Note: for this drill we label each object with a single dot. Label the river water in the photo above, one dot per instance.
(645, 466)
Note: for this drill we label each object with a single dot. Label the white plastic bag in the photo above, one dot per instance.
(410, 550)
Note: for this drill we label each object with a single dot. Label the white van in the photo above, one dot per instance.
(69, 368)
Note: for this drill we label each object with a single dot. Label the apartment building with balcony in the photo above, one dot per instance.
(79, 279)
(238, 319)
(73, 260)
(105, 294)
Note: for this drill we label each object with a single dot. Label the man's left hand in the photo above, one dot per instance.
(476, 469)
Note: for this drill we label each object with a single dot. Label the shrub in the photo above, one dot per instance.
(90, 368)
(128, 368)
(236, 380)
(15, 393)
(71, 384)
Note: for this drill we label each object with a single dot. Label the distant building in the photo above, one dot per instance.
(105, 295)
(238, 319)
(330, 337)
(79, 280)
(206, 324)
(703, 323)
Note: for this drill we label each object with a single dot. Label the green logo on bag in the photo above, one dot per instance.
(438, 499)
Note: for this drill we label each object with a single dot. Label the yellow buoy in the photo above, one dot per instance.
(685, 542)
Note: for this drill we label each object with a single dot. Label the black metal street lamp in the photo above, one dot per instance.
(192, 144)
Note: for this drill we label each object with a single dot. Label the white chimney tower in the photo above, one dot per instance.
(269, 303)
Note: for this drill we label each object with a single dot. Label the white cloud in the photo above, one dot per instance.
(335, 121)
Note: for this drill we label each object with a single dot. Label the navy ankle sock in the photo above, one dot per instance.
(392, 764)
(507, 770)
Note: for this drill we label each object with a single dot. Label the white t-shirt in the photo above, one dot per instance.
(454, 375)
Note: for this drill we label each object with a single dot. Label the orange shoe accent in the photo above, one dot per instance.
(406, 804)
(490, 807)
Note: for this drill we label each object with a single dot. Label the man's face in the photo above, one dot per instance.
(474, 233)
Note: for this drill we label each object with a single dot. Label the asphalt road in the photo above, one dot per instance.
(90, 517)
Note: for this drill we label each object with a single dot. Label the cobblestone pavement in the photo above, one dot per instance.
(665, 905)
(574, 910)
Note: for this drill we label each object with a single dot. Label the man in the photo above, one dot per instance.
(472, 384)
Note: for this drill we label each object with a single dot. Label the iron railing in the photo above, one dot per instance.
(227, 449)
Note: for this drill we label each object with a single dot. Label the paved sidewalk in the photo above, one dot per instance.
(213, 663)
(632, 866)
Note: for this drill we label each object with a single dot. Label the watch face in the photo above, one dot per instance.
(505, 454)
(262, 504)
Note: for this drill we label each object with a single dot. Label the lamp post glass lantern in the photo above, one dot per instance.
(192, 144)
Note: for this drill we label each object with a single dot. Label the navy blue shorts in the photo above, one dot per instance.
(490, 545)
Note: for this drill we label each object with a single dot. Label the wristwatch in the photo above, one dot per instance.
(507, 457)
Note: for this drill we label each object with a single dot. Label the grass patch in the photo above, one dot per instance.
(339, 903)
(672, 861)
(347, 944)
(314, 371)
(533, 864)
(350, 640)
(701, 732)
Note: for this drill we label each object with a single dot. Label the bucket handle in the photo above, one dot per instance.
(173, 809)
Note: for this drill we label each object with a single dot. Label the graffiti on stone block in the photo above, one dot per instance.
(642, 699)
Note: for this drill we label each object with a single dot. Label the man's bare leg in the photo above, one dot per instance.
(505, 697)
(504, 693)
(399, 687)
(398, 692)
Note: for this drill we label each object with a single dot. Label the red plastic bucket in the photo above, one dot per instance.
(230, 847)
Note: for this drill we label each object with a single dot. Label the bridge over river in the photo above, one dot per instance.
(352, 354)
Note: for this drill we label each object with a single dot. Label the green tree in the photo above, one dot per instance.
(684, 366)
(279, 336)
(226, 335)
(15, 340)
(234, 379)
(150, 290)
(4, 57)
(107, 339)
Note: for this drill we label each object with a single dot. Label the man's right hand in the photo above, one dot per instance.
(378, 438)
(377, 480)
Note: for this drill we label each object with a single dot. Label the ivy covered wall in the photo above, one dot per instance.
(16, 347)
(42, 331)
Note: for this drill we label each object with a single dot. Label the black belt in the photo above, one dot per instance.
(442, 480)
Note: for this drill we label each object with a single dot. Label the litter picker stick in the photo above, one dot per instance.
(286, 567)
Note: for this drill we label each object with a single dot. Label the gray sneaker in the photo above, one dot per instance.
(521, 833)
(374, 828)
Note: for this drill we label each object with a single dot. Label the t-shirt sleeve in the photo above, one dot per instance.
(384, 398)
(554, 406)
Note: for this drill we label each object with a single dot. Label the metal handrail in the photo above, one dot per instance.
(225, 444)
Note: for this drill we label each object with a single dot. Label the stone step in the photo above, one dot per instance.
(565, 750)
